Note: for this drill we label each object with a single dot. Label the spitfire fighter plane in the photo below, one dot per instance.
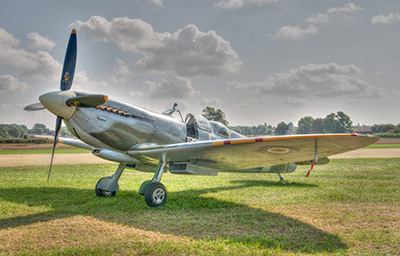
(158, 142)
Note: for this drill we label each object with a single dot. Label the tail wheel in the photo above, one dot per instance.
(155, 195)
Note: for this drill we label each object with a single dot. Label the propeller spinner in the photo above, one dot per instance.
(63, 103)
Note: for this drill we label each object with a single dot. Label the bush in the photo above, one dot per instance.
(388, 135)
(24, 141)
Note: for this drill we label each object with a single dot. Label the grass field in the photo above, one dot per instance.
(348, 207)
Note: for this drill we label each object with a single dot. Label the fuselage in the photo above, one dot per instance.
(120, 126)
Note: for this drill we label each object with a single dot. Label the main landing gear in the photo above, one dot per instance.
(155, 193)
(108, 186)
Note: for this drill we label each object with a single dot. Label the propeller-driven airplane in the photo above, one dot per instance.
(153, 142)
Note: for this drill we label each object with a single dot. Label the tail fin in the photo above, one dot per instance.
(290, 129)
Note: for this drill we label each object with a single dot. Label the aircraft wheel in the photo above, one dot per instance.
(144, 186)
(155, 195)
(104, 193)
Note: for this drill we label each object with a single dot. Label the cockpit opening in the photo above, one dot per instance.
(198, 127)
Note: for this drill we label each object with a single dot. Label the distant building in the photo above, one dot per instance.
(363, 129)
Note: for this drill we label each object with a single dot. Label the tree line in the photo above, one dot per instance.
(333, 123)
(22, 131)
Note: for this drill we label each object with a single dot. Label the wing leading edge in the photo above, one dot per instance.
(68, 141)
(228, 155)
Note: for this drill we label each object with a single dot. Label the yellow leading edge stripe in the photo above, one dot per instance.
(272, 138)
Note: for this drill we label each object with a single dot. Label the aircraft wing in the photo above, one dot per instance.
(68, 141)
(244, 153)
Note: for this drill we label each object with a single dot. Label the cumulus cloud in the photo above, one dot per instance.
(40, 42)
(318, 18)
(345, 10)
(210, 102)
(9, 83)
(255, 104)
(172, 87)
(136, 94)
(391, 18)
(157, 2)
(187, 52)
(235, 4)
(83, 82)
(296, 33)
(121, 72)
(327, 80)
(296, 102)
(39, 64)
(7, 39)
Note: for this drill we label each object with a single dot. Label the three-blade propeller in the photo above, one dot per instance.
(67, 76)
(64, 103)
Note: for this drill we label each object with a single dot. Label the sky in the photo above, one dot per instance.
(259, 61)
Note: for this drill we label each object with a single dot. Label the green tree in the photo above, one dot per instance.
(14, 130)
(65, 132)
(305, 125)
(330, 124)
(41, 126)
(280, 128)
(36, 130)
(214, 115)
(4, 131)
(337, 123)
(377, 128)
(345, 125)
(317, 126)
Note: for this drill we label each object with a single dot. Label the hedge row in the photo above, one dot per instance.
(388, 135)
(16, 140)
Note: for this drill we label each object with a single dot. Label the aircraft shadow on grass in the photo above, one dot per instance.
(186, 215)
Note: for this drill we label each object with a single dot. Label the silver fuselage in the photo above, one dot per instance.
(119, 126)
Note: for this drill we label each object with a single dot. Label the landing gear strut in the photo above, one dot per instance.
(155, 193)
(108, 186)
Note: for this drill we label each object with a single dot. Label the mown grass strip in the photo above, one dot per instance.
(383, 146)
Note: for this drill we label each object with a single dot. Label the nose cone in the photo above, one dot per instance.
(55, 103)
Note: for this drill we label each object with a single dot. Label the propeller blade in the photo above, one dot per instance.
(57, 132)
(34, 107)
(68, 72)
(92, 100)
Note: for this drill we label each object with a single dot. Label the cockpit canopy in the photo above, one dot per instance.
(200, 128)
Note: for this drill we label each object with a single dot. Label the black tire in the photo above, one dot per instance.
(144, 186)
(155, 195)
(104, 193)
